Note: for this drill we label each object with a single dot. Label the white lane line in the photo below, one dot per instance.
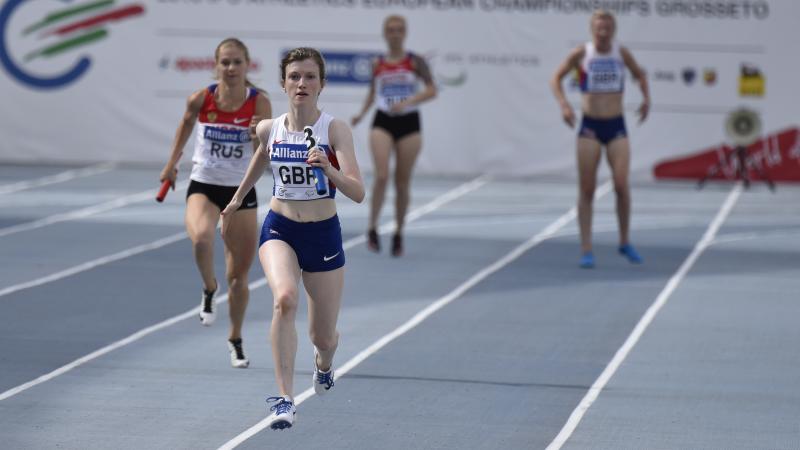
(149, 194)
(601, 381)
(57, 178)
(94, 263)
(790, 233)
(413, 215)
(418, 318)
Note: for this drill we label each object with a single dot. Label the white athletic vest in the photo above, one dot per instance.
(602, 73)
(223, 147)
(293, 178)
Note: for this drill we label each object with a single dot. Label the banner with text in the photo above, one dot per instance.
(107, 80)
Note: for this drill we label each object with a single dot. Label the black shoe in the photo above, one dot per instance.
(372, 241)
(397, 245)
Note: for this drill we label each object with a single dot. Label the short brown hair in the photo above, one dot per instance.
(301, 54)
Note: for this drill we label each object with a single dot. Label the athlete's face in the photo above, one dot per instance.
(602, 30)
(395, 33)
(303, 83)
(231, 64)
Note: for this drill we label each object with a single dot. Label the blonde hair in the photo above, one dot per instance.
(394, 17)
(240, 45)
(603, 14)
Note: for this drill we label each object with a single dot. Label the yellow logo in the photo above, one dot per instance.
(751, 81)
(212, 117)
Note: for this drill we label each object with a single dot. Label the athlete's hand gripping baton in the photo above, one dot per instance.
(311, 142)
(162, 192)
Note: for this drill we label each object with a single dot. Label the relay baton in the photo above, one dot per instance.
(162, 192)
(311, 142)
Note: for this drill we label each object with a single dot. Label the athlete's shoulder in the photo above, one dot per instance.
(264, 128)
(197, 99)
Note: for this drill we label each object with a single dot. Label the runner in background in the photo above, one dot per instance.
(396, 127)
(601, 67)
(227, 113)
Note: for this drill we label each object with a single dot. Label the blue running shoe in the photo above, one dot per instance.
(629, 252)
(323, 381)
(587, 260)
(284, 414)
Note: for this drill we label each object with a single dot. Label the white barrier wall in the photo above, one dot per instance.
(95, 80)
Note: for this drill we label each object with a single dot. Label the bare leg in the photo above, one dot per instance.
(408, 148)
(619, 156)
(240, 249)
(588, 157)
(201, 222)
(381, 145)
(283, 274)
(324, 290)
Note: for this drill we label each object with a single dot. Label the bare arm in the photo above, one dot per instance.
(368, 102)
(258, 164)
(428, 93)
(570, 63)
(263, 111)
(185, 127)
(641, 78)
(348, 177)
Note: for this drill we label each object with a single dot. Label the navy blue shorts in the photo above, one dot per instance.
(318, 245)
(603, 130)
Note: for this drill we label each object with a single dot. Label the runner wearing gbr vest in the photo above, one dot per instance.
(601, 64)
(301, 239)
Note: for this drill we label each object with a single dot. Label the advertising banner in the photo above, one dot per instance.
(107, 80)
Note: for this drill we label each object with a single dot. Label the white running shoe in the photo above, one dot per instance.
(208, 310)
(284, 413)
(322, 381)
(238, 360)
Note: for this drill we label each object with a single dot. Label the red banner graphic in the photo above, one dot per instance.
(776, 156)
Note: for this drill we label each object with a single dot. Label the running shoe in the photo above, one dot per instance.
(629, 252)
(397, 245)
(238, 360)
(373, 243)
(587, 260)
(284, 413)
(208, 310)
(322, 381)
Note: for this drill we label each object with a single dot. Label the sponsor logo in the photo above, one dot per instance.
(223, 135)
(185, 64)
(348, 67)
(448, 68)
(709, 77)
(751, 81)
(237, 120)
(774, 157)
(688, 74)
(664, 75)
(328, 258)
(61, 30)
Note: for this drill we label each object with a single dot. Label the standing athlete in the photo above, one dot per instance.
(601, 67)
